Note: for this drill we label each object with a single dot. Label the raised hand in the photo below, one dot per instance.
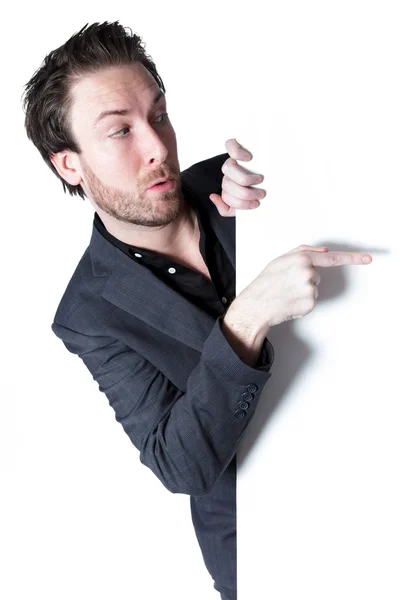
(236, 183)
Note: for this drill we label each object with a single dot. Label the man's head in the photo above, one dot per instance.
(96, 111)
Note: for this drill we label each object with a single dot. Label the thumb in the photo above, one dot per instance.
(220, 205)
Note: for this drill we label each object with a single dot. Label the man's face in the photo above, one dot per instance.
(122, 155)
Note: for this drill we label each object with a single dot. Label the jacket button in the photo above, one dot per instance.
(240, 414)
(243, 405)
(247, 397)
(252, 387)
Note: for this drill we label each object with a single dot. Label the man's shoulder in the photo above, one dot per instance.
(83, 288)
(210, 166)
(204, 178)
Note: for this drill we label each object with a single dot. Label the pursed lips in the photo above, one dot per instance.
(158, 181)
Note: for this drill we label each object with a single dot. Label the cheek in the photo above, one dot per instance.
(115, 165)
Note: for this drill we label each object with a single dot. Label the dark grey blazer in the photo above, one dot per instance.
(165, 366)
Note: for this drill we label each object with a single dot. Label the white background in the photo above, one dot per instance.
(312, 90)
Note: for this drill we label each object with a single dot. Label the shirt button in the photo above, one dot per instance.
(247, 397)
(224, 300)
(252, 387)
(172, 270)
(138, 255)
(240, 414)
(243, 405)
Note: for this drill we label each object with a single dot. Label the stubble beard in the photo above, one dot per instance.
(150, 210)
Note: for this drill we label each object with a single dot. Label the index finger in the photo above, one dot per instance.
(237, 151)
(336, 258)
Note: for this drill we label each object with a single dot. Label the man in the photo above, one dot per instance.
(141, 307)
(146, 308)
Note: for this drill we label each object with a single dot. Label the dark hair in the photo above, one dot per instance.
(47, 100)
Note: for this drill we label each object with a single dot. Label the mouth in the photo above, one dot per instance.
(162, 186)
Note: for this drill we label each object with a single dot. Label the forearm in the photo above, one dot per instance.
(186, 436)
(190, 448)
(244, 336)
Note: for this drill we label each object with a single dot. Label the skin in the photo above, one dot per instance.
(123, 155)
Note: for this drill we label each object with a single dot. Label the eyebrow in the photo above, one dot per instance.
(125, 111)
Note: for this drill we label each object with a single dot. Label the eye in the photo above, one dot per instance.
(119, 133)
(163, 115)
(116, 134)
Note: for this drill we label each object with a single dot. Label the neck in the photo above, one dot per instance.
(172, 239)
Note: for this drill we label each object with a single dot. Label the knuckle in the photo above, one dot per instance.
(245, 179)
(250, 179)
(228, 164)
(334, 259)
(311, 301)
(309, 272)
(310, 289)
(302, 259)
(248, 193)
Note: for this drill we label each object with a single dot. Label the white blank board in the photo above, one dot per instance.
(318, 481)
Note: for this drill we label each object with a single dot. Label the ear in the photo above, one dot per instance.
(68, 166)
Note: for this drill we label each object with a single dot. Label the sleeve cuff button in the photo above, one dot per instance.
(243, 405)
(252, 387)
(240, 414)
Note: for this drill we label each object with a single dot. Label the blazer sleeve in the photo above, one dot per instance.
(186, 438)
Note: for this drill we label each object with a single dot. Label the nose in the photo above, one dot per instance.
(153, 148)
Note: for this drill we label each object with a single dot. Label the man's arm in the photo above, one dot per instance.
(247, 340)
(186, 438)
